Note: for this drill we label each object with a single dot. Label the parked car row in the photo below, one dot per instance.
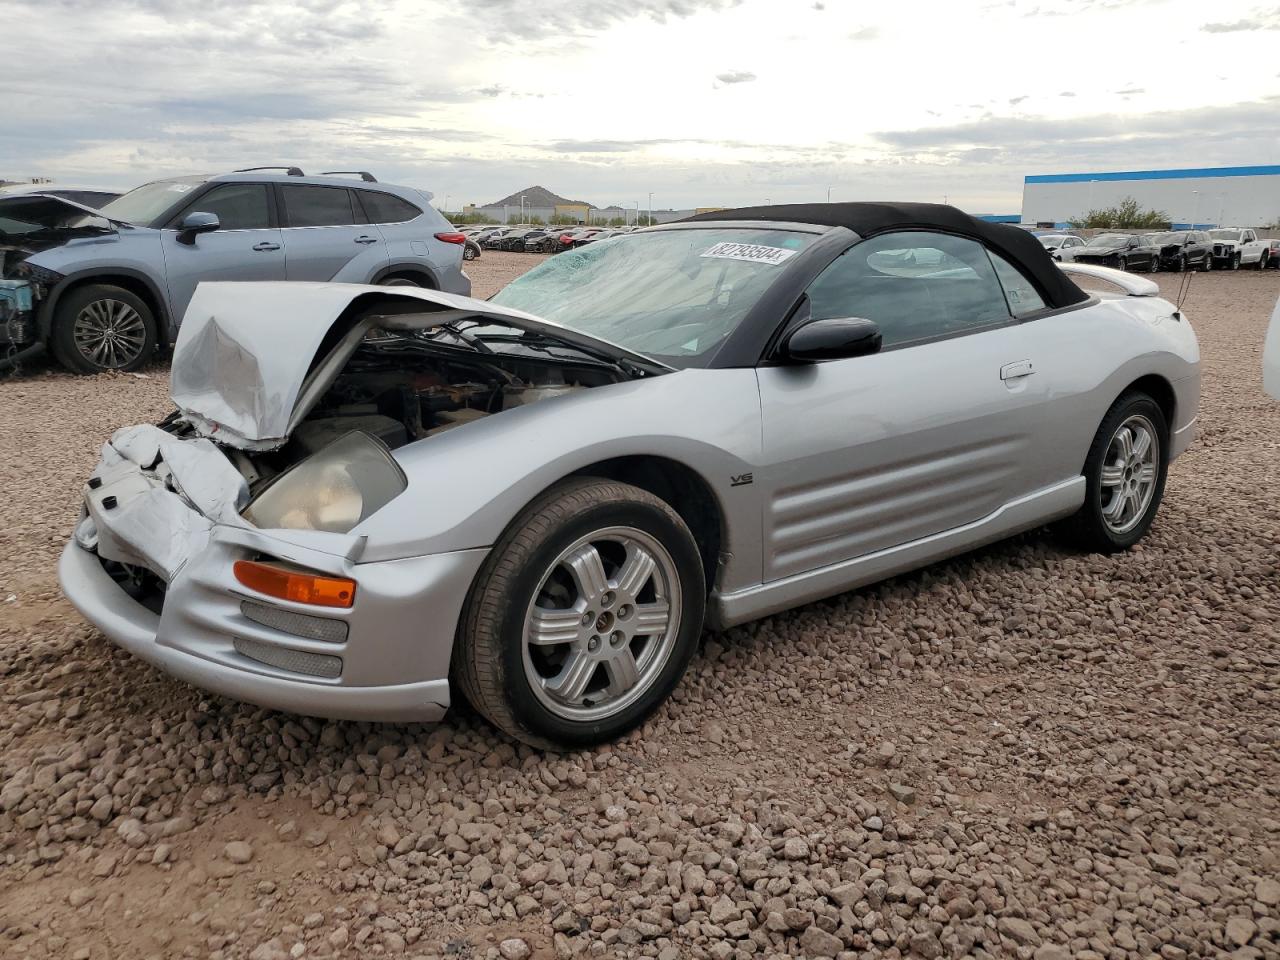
(1225, 248)
(111, 306)
(524, 238)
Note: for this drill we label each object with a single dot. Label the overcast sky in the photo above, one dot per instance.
(702, 102)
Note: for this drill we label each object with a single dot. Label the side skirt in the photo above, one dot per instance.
(1043, 506)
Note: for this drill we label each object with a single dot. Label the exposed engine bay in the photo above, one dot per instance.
(401, 389)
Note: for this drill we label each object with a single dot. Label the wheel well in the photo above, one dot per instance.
(139, 288)
(420, 277)
(683, 489)
(1159, 390)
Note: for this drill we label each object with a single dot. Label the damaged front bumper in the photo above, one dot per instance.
(169, 506)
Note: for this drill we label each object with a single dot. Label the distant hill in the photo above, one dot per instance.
(535, 197)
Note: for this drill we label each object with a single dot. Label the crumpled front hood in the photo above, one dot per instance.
(251, 359)
(33, 222)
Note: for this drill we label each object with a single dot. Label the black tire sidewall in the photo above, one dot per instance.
(1122, 410)
(63, 333)
(529, 712)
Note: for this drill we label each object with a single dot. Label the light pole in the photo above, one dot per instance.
(637, 203)
(650, 223)
(828, 194)
(446, 203)
(522, 208)
(1195, 210)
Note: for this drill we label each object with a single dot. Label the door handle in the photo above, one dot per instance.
(266, 245)
(1017, 370)
(364, 239)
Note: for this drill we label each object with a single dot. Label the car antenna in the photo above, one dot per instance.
(1184, 288)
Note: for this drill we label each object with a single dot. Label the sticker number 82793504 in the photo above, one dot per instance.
(750, 252)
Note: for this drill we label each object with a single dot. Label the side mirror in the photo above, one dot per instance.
(831, 338)
(196, 223)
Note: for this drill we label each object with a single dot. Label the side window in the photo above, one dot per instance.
(1022, 296)
(238, 206)
(306, 206)
(915, 285)
(384, 208)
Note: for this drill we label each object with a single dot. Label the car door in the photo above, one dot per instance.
(246, 245)
(937, 430)
(325, 237)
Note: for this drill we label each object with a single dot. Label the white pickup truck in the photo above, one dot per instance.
(1234, 247)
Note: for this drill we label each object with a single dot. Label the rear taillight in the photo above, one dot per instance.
(452, 237)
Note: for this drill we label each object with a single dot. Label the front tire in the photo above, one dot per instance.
(1208, 263)
(1124, 264)
(1124, 474)
(100, 327)
(584, 617)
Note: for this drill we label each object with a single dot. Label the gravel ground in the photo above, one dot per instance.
(1023, 752)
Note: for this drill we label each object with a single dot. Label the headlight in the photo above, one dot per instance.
(332, 490)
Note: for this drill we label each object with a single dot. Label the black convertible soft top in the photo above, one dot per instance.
(868, 219)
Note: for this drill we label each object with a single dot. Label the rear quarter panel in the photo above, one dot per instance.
(1089, 356)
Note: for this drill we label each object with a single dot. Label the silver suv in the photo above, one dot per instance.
(105, 288)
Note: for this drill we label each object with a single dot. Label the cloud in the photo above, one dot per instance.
(736, 76)
(1262, 19)
(1130, 91)
(866, 33)
(1103, 141)
(1014, 101)
(1067, 93)
(519, 22)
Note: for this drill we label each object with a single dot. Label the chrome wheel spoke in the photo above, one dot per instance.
(622, 671)
(1141, 444)
(1114, 510)
(652, 618)
(1124, 440)
(635, 571)
(1112, 476)
(1147, 474)
(572, 680)
(587, 570)
(549, 627)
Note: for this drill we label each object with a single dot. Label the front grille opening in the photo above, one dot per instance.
(294, 661)
(138, 582)
(298, 624)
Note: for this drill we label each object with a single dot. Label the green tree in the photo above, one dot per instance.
(1128, 214)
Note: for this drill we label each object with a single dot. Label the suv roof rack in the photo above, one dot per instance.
(364, 175)
(291, 171)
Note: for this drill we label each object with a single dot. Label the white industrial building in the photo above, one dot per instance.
(1205, 196)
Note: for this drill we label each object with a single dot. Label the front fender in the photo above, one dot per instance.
(468, 484)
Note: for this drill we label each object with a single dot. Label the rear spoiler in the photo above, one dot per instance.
(1133, 286)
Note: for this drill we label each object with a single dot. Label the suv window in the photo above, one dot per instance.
(307, 206)
(384, 208)
(916, 285)
(238, 206)
(1018, 290)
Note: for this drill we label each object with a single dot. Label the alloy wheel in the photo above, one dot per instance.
(602, 624)
(1129, 474)
(109, 333)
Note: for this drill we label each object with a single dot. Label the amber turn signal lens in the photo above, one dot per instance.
(313, 588)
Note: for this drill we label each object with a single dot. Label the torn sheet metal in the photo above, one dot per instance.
(158, 498)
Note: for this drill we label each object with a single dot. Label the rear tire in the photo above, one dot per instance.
(1124, 479)
(100, 327)
(1154, 266)
(552, 648)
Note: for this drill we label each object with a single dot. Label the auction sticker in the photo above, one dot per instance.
(751, 252)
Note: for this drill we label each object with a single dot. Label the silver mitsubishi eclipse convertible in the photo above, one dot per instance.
(370, 500)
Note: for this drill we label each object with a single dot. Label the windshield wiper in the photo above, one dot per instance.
(541, 341)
